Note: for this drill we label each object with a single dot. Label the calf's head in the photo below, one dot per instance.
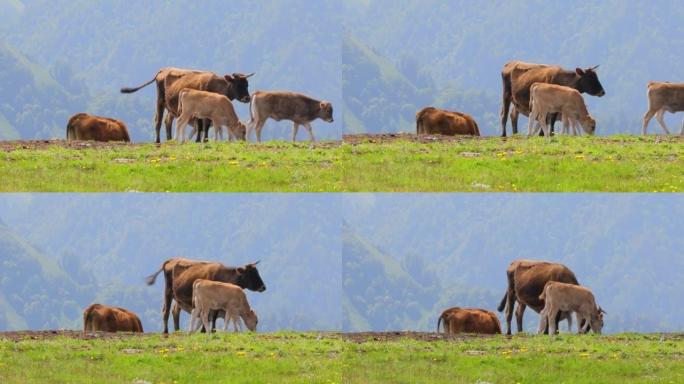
(239, 86)
(326, 111)
(596, 320)
(241, 131)
(589, 81)
(251, 320)
(589, 124)
(249, 278)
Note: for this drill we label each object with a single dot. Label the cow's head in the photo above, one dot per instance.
(239, 86)
(251, 320)
(589, 124)
(589, 81)
(241, 131)
(326, 111)
(596, 321)
(250, 278)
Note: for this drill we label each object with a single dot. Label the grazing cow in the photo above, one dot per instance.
(562, 297)
(518, 77)
(551, 98)
(469, 320)
(438, 121)
(296, 107)
(180, 274)
(83, 126)
(98, 317)
(210, 295)
(663, 97)
(208, 105)
(170, 81)
(526, 281)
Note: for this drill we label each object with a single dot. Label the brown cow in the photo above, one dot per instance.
(438, 121)
(570, 298)
(180, 274)
(228, 298)
(83, 126)
(518, 77)
(194, 104)
(469, 320)
(296, 107)
(170, 81)
(98, 317)
(526, 281)
(663, 97)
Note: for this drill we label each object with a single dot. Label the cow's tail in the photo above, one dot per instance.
(131, 90)
(502, 304)
(153, 277)
(88, 319)
(439, 321)
(70, 132)
(476, 129)
(419, 123)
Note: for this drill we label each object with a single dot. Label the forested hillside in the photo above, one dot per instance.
(62, 252)
(450, 54)
(407, 257)
(95, 48)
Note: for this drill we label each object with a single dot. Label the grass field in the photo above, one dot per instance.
(569, 164)
(348, 358)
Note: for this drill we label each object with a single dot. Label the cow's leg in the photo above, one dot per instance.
(180, 128)
(198, 128)
(661, 121)
(214, 316)
(510, 298)
(166, 309)
(193, 316)
(514, 119)
(647, 118)
(205, 321)
(681, 132)
(552, 317)
(519, 316)
(159, 115)
(259, 127)
(530, 122)
(552, 121)
(505, 106)
(543, 322)
(295, 128)
(169, 125)
(308, 128)
(176, 316)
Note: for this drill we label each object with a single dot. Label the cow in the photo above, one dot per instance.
(562, 297)
(194, 104)
(103, 318)
(180, 273)
(552, 98)
(280, 105)
(517, 78)
(210, 296)
(663, 97)
(469, 320)
(170, 81)
(525, 282)
(431, 120)
(83, 126)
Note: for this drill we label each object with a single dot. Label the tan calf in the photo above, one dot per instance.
(194, 104)
(562, 297)
(296, 107)
(210, 295)
(552, 98)
(663, 97)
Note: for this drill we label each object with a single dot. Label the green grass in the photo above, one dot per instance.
(532, 359)
(313, 358)
(567, 164)
(181, 358)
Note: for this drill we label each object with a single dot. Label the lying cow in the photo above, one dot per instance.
(210, 296)
(552, 98)
(193, 104)
(296, 107)
(469, 320)
(663, 97)
(562, 297)
(438, 121)
(98, 317)
(83, 126)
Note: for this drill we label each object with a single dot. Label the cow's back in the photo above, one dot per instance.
(668, 96)
(284, 105)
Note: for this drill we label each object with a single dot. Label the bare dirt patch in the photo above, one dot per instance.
(51, 334)
(380, 138)
(362, 337)
(13, 145)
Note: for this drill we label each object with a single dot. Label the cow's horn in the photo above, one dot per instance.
(252, 74)
(256, 262)
(594, 67)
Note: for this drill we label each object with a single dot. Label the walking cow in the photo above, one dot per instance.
(663, 97)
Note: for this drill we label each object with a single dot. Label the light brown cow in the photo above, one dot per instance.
(296, 107)
(518, 77)
(469, 320)
(552, 98)
(208, 105)
(439, 121)
(83, 126)
(663, 97)
(98, 317)
(208, 295)
(562, 297)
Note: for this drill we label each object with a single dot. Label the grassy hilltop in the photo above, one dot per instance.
(351, 358)
(366, 163)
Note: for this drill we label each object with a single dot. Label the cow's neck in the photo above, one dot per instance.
(568, 79)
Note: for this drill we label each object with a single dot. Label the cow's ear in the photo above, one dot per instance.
(241, 269)
(579, 71)
(229, 78)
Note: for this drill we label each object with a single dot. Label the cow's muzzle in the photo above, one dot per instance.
(245, 99)
(602, 93)
(262, 288)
